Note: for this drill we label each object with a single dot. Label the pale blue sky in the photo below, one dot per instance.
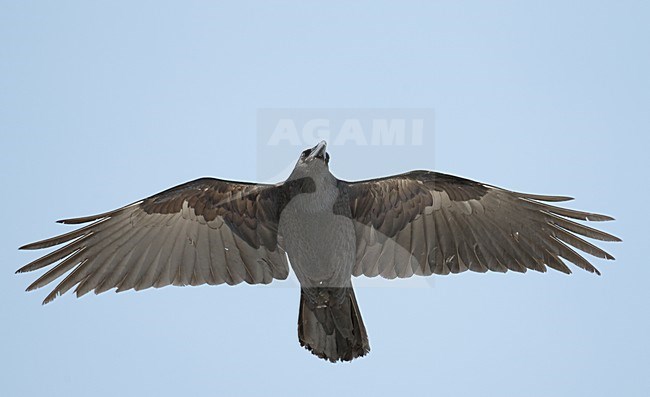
(103, 103)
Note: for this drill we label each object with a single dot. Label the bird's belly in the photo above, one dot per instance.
(321, 247)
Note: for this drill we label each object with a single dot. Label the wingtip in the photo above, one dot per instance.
(74, 221)
(24, 269)
(546, 198)
(50, 298)
(30, 246)
(599, 218)
(77, 221)
(561, 198)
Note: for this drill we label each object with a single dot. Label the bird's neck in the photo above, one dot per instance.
(323, 197)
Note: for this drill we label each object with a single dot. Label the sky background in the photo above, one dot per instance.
(103, 103)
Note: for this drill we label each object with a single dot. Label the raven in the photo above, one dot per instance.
(213, 231)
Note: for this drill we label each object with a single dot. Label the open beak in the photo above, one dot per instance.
(318, 151)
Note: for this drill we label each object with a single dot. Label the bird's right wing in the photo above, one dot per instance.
(207, 231)
(428, 223)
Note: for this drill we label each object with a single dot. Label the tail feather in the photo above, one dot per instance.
(330, 324)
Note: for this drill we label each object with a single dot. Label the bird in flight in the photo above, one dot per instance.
(213, 231)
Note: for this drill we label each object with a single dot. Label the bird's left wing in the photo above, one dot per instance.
(207, 231)
(427, 223)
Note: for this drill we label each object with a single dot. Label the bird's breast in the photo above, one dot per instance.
(321, 245)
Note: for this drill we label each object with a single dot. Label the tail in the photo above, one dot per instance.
(330, 324)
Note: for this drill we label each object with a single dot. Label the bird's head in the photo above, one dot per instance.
(316, 154)
(315, 158)
(312, 162)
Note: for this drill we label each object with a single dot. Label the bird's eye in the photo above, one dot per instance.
(305, 153)
(327, 158)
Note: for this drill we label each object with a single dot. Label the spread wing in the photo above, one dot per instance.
(428, 223)
(207, 231)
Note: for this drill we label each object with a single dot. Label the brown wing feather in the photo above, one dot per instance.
(207, 231)
(446, 224)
